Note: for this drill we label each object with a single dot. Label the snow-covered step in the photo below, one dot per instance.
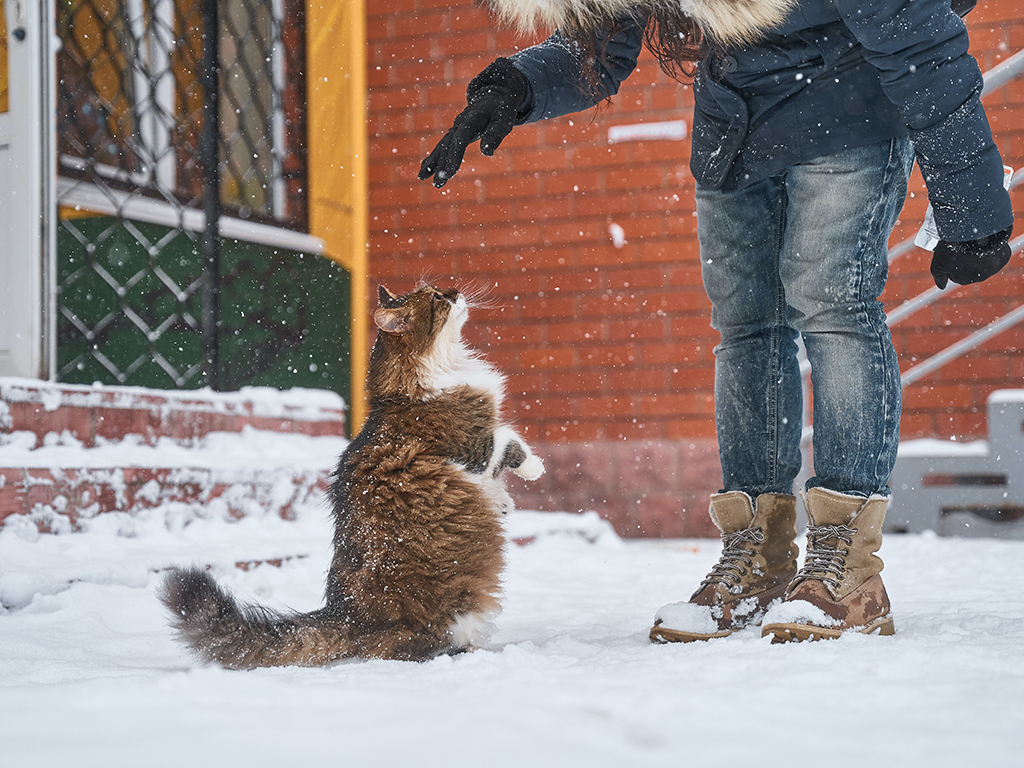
(68, 453)
(93, 414)
(972, 489)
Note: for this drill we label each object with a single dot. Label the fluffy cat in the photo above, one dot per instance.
(417, 499)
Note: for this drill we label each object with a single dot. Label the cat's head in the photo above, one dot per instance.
(419, 334)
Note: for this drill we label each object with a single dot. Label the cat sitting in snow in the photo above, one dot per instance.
(417, 499)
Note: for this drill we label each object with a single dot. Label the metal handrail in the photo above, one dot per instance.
(1003, 72)
(954, 351)
(922, 300)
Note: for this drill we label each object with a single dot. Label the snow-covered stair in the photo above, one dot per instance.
(969, 489)
(68, 452)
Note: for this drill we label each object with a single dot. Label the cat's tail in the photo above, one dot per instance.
(219, 629)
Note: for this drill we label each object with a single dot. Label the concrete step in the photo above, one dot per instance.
(974, 489)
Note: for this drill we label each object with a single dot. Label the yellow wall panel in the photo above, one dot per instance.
(336, 93)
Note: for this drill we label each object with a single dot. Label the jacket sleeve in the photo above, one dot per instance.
(554, 69)
(920, 48)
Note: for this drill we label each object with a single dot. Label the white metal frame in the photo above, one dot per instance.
(27, 170)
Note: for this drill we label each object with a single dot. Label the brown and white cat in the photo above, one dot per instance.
(417, 498)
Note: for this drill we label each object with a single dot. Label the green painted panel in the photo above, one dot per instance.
(130, 311)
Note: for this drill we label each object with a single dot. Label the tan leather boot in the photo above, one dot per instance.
(758, 561)
(839, 588)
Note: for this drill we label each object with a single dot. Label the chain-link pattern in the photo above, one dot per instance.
(130, 113)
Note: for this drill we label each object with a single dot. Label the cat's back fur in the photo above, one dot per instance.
(417, 500)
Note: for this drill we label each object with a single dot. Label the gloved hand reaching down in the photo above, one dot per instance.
(494, 99)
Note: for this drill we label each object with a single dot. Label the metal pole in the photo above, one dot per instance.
(210, 153)
(933, 294)
(973, 341)
(1004, 72)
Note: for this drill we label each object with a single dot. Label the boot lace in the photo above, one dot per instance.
(735, 559)
(826, 560)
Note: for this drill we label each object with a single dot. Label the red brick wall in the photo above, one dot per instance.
(609, 348)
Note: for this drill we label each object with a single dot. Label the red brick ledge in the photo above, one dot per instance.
(644, 488)
(111, 413)
(61, 498)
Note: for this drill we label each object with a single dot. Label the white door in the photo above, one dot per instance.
(26, 189)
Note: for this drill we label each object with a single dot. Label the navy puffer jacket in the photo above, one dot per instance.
(835, 74)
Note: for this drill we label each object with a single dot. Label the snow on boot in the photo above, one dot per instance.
(757, 563)
(839, 588)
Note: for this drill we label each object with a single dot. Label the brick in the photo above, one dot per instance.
(415, 26)
(543, 209)
(676, 301)
(634, 177)
(676, 404)
(607, 406)
(672, 251)
(576, 282)
(605, 156)
(963, 425)
(633, 429)
(387, 7)
(575, 331)
(933, 396)
(590, 466)
(604, 254)
(692, 378)
(692, 429)
(547, 358)
(637, 380)
(608, 304)
(549, 307)
(607, 356)
(512, 186)
(916, 425)
(12, 492)
(670, 354)
(555, 407)
(579, 180)
(576, 382)
(636, 329)
(572, 432)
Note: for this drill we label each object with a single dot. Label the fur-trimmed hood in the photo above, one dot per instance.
(729, 22)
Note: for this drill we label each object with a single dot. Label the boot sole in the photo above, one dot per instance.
(795, 633)
(662, 635)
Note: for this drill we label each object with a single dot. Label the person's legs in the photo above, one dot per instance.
(803, 250)
(757, 413)
(834, 264)
(841, 210)
(757, 377)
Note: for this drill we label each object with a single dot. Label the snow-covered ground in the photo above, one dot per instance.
(90, 676)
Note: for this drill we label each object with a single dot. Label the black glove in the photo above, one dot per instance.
(973, 261)
(495, 97)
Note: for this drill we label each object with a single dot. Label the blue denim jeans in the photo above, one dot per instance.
(805, 252)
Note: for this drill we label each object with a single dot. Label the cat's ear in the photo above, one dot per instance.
(391, 320)
(388, 300)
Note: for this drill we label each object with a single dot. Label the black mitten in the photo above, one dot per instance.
(973, 261)
(495, 97)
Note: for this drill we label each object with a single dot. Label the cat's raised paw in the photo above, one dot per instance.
(530, 469)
